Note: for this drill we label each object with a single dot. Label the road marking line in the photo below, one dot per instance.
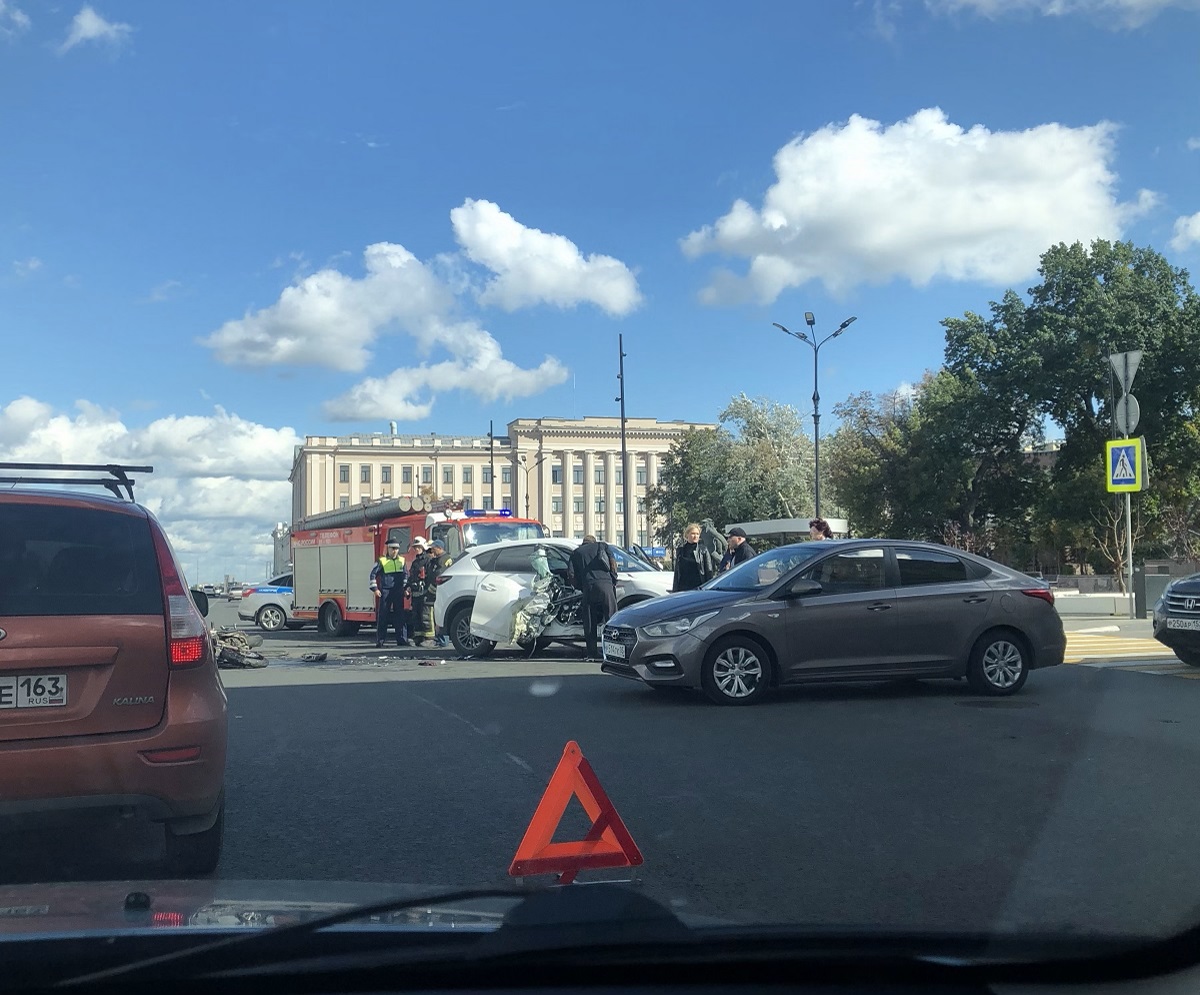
(1099, 628)
(519, 762)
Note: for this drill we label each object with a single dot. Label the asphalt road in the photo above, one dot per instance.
(1071, 806)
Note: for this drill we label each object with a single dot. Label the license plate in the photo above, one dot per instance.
(614, 651)
(33, 691)
(1184, 623)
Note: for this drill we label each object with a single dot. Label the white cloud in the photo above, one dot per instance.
(163, 292)
(537, 267)
(13, 20)
(26, 267)
(1187, 232)
(219, 483)
(1193, 144)
(332, 320)
(921, 199)
(87, 25)
(1120, 13)
(329, 319)
(477, 367)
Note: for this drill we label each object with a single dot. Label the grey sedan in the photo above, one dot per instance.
(838, 610)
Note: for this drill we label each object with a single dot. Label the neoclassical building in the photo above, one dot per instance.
(565, 472)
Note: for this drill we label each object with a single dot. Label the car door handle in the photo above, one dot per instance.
(878, 608)
(974, 601)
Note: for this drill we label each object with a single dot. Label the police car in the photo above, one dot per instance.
(269, 605)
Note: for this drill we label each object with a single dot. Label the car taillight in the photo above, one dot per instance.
(440, 579)
(168, 919)
(1044, 593)
(186, 632)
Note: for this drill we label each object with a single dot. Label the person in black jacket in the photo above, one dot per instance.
(739, 549)
(593, 571)
(693, 562)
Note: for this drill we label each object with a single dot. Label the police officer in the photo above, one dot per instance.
(387, 584)
(416, 591)
(438, 561)
(593, 571)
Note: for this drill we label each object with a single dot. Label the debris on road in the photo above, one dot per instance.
(235, 650)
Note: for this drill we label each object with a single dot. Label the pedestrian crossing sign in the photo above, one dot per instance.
(1126, 465)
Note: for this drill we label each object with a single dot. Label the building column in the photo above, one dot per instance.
(589, 492)
(545, 488)
(631, 476)
(651, 481)
(612, 520)
(564, 490)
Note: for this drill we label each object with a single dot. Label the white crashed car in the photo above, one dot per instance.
(478, 593)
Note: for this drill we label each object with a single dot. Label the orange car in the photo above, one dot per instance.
(109, 694)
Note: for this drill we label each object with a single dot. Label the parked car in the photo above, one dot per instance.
(269, 605)
(110, 700)
(1177, 619)
(838, 610)
(508, 569)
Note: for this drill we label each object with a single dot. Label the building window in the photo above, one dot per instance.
(577, 505)
(556, 473)
(577, 475)
(579, 533)
(506, 475)
(467, 474)
(487, 502)
(448, 475)
(556, 505)
(599, 506)
(641, 504)
(641, 475)
(620, 503)
(406, 474)
(599, 474)
(385, 475)
(486, 475)
(620, 538)
(641, 537)
(506, 502)
(427, 474)
(343, 501)
(344, 473)
(364, 474)
(620, 475)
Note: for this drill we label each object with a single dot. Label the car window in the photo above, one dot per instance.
(515, 559)
(928, 566)
(59, 560)
(284, 581)
(558, 558)
(760, 572)
(482, 533)
(850, 571)
(627, 563)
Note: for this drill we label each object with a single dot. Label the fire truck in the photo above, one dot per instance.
(332, 552)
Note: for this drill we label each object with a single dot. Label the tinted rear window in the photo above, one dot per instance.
(926, 566)
(57, 560)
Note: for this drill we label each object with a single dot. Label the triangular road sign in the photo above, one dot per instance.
(1123, 471)
(606, 844)
(1125, 365)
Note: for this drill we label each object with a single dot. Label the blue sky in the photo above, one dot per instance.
(191, 191)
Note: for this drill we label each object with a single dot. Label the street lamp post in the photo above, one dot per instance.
(624, 451)
(528, 470)
(811, 321)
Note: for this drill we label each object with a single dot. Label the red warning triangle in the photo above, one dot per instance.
(606, 844)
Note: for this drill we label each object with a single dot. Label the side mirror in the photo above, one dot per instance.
(801, 588)
(201, 600)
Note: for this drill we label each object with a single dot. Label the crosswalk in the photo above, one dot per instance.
(1086, 648)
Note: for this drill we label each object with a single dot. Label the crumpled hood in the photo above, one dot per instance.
(117, 906)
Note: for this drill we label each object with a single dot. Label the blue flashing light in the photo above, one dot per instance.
(474, 512)
(505, 513)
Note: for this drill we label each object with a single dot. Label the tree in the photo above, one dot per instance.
(757, 465)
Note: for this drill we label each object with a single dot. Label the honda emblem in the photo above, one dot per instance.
(1189, 604)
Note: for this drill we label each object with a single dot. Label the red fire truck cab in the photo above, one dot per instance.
(332, 553)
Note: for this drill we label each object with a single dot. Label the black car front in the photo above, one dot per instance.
(1177, 619)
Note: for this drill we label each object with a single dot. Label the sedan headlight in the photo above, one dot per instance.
(675, 626)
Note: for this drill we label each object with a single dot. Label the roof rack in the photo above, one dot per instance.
(118, 475)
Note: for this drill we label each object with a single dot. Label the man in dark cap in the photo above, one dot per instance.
(438, 561)
(739, 549)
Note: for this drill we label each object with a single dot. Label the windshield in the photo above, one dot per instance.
(888, 308)
(762, 571)
(488, 532)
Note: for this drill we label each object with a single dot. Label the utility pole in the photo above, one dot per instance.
(492, 460)
(628, 541)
